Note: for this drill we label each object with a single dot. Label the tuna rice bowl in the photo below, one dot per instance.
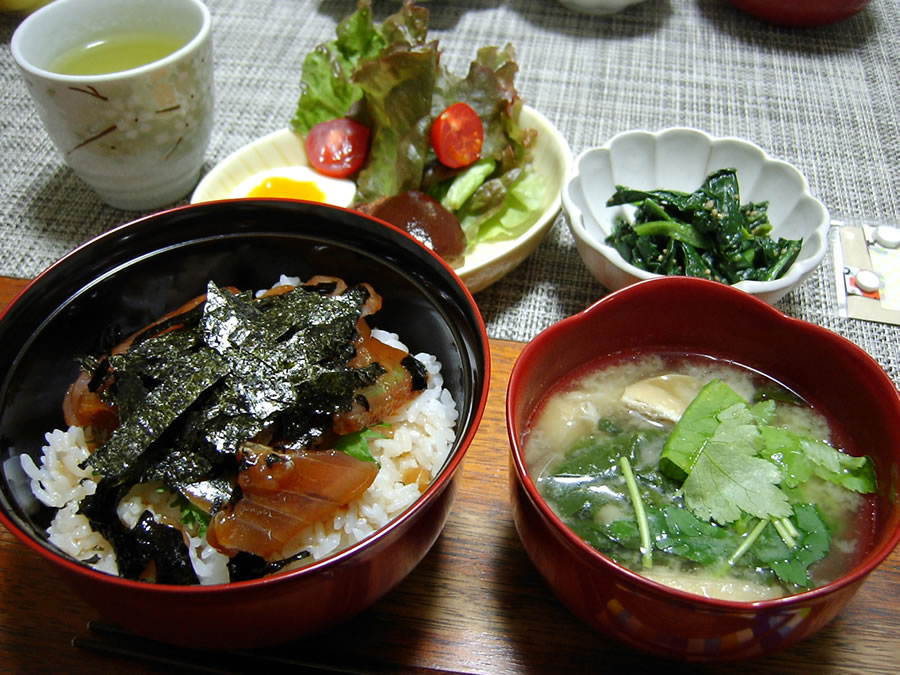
(243, 434)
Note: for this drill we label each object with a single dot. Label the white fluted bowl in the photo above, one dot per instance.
(598, 6)
(681, 159)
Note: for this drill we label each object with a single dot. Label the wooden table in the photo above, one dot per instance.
(474, 605)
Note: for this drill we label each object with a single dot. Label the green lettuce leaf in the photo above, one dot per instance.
(389, 78)
(326, 87)
(397, 89)
(518, 211)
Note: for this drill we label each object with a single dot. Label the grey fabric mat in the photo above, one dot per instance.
(825, 99)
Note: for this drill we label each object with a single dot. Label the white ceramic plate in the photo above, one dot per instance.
(487, 262)
(681, 159)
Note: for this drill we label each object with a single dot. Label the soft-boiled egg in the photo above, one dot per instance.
(297, 182)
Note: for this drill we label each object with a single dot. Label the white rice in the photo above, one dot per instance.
(422, 434)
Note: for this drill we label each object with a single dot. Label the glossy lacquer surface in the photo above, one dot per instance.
(131, 275)
(701, 317)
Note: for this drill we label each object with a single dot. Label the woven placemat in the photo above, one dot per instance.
(823, 99)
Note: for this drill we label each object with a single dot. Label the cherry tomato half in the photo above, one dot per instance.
(337, 147)
(457, 136)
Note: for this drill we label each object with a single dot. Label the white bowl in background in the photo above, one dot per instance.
(598, 6)
(680, 159)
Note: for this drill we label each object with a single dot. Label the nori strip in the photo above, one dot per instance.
(229, 376)
(193, 374)
(164, 545)
(147, 541)
(190, 396)
(244, 566)
(417, 371)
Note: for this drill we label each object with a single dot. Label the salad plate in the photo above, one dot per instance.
(486, 263)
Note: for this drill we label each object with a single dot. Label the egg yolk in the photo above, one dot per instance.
(288, 188)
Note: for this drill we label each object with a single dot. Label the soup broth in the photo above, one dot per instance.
(664, 522)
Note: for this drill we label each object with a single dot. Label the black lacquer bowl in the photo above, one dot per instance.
(135, 273)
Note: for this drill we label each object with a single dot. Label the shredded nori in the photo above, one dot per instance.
(147, 541)
(417, 371)
(244, 566)
(164, 545)
(192, 389)
(193, 374)
(232, 370)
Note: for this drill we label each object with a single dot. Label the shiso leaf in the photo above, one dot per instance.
(356, 444)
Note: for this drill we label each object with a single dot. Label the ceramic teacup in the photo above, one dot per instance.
(135, 132)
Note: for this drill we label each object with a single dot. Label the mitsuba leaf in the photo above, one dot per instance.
(728, 479)
(715, 445)
(585, 482)
(792, 564)
(687, 536)
(695, 428)
(599, 456)
(799, 457)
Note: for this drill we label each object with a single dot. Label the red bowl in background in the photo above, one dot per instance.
(135, 273)
(703, 317)
(801, 12)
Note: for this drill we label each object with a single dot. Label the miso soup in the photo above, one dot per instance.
(703, 475)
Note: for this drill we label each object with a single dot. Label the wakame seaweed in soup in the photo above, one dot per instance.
(702, 475)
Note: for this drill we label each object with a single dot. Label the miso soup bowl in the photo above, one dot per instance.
(683, 314)
(139, 271)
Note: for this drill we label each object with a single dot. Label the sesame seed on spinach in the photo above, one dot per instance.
(707, 233)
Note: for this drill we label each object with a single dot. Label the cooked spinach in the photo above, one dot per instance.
(707, 233)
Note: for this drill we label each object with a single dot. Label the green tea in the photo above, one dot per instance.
(122, 51)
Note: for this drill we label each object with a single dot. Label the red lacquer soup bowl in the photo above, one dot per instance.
(134, 274)
(679, 314)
